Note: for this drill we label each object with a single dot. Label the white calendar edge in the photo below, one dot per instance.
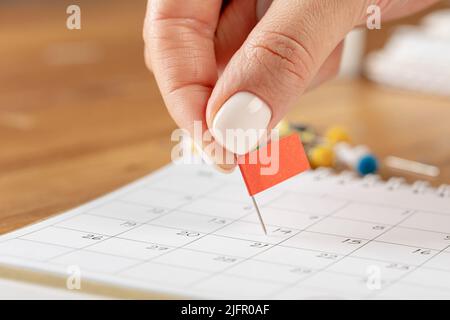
(53, 276)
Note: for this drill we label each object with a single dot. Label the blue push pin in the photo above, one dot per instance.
(358, 158)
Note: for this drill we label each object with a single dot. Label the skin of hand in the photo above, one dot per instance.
(244, 63)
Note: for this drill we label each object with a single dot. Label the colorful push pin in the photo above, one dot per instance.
(411, 166)
(337, 134)
(321, 156)
(306, 133)
(308, 137)
(300, 127)
(358, 158)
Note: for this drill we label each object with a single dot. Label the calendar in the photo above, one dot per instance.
(189, 231)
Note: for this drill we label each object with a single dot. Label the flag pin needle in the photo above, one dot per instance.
(259, 216)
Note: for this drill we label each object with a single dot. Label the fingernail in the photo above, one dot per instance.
(224, 168)
(241, 122)
(222, 160)
(261, 8)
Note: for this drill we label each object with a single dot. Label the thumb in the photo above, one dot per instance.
(274, 66)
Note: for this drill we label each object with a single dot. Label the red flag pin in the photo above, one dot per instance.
(269, 165)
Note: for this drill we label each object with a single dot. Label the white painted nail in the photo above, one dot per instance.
(222, 161)
(241, 122)
(261, 7)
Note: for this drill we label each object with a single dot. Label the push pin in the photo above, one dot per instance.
(289, 159)
(359, 158)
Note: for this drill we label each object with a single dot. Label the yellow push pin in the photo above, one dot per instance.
(337, 134)
(321, 156)
(308, 137)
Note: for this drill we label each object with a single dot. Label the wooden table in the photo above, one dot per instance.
(80, 115)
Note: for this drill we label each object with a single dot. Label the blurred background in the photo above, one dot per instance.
(80, 115)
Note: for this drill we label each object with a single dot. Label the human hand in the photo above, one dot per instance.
(236, 66)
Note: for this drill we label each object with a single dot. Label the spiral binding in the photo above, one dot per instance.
(392, 184)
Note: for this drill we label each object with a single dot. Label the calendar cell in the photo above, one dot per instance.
(229, 246)
(341, 285)
(415, 238)
(96, 224)
(270, 272)
(349, 228)
(157, 198)
(93, 261)
(130, 249)
(31, 250)
(252, 231)
(163, 274)
(324, 242)
(198, 260)
(284, 218)
(65, 237)
(191, 183)
(219, 208)
(162, 235)
(128, 211)
(373, 213)
(232, 192)
(371, 268)
(395, 253)
(428, 221)
(192, 221)
(307, 203)
(307, 259)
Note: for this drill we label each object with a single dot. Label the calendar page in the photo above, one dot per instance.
(189, 231)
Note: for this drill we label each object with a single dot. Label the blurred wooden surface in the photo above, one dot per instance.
(80, 115)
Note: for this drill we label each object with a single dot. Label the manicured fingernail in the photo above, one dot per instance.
(221, 159)
(241, 122)
(224, 161)
(261, 7)
(224, 168)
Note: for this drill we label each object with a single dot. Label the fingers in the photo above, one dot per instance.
(276, 63)
(236, 21)
(179, 38)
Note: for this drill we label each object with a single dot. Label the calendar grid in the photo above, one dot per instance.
(253, 211)
(252, 257)
(238, 257)
(278, 226)
(339, 273)
(350, 253)
(179, 247)
(115, 236)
